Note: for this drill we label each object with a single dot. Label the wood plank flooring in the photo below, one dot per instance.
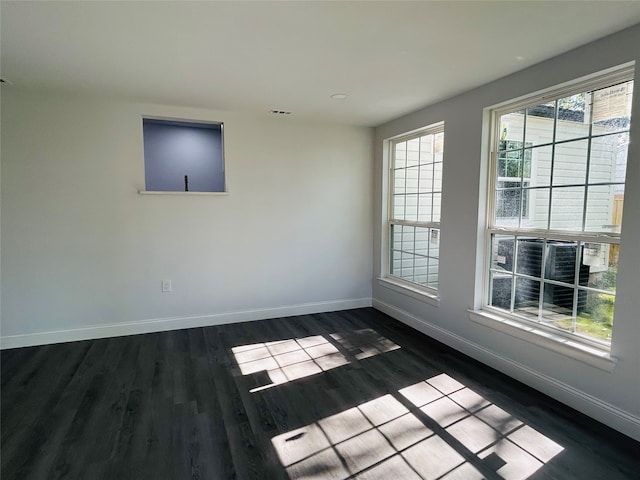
(350, 394)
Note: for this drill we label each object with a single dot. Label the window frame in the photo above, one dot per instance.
(388, 279)
(610, 78)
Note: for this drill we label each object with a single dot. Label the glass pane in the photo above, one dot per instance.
(558, 298)
(411, 208)
(560, 262)
(570, 163)
(508, 205)
(413, 152)
(413, 254)
(434, 243)
(540, 120)
(398, 207)
(399, 181)
(424, 207)
(439, 142)
(558, 306)
(501, 168)
(411, 180)
(422, 241)
(529, 259)
(541, 159)
(400, 155)
(433, 268)
(426, 149)
(408, 238)
(437, 199)
(420, 279)
(426, 178)
(527, 297)
(567, 204)
(437, 177)
(601, 260)
(432, 279)
(407, 266)
(396, 262)
(422, 234)
(611, 109)
(396, 236)
(557, 302)
(395, 259)
(604, 209)
(500, 295)
(514, 160)
(608, 162)
(535, 208)
(421, 269)
(596, 319)
(573, 121)
(512, 127)
(502, 247)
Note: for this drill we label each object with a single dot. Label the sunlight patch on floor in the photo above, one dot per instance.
(275, 363)
(390, 437)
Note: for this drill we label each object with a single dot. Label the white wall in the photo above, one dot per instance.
(612, 397)
(81, 249)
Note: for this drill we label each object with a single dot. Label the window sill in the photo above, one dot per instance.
(409, 291)
(575, 349)
(155, 192)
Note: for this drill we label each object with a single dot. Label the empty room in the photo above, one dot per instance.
(320, 240)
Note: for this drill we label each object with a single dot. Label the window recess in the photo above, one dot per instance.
(183, 157)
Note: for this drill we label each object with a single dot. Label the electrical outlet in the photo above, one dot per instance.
(166, 285)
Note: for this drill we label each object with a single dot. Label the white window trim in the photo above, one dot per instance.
(537, 335)
(591, 352)
(424, 294)
(419, 292)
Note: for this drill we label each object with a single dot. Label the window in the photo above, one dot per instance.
(414, 206)
(181, 156)
(555, 207)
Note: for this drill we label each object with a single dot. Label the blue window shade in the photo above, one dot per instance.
(173, 149)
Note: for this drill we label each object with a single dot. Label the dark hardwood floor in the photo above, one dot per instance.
(350, 394)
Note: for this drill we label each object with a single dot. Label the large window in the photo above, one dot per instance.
(555, 210)
(414, 214)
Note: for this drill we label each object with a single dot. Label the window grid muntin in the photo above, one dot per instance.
(582, 237)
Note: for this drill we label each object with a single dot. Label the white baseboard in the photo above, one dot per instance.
(177, 323)
(591, 406)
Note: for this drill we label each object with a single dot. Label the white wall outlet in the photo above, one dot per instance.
(166, 285)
